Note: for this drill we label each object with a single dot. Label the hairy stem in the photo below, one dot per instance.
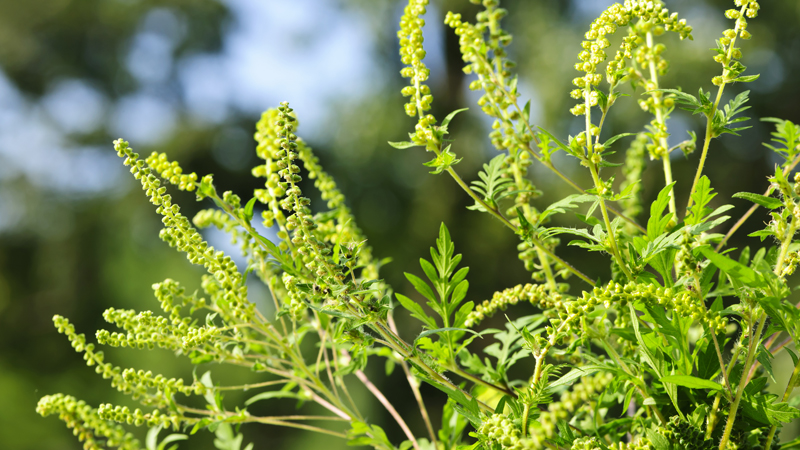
(742, 382)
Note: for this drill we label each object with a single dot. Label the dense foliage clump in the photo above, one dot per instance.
(671, 350)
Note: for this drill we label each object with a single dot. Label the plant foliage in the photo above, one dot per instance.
(673, 351)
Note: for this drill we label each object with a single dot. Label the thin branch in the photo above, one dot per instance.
(414, 384)
(385, 402)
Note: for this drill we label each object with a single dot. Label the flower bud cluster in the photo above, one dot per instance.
(293, 301)
(682, 303)
(315, 252)
(487, 58)
(586, 443)
(632, 170)
(498, 429)
(179, 233)
(528, 252)
(728, 55)
(123, 414)
(171, 296)
(639, 444)
(684, 435)
(593, 53)
(86, 423)
(339, 227)
(582, 395)
(107, 370)
(536, 294)
(164, 387)
(412, 55)
(172, 172)
(223, 221)
(790, 264)
(335, 226)
(268, 146)
(482, 47)
(144, 330)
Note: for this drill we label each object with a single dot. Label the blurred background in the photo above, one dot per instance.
(191, 77)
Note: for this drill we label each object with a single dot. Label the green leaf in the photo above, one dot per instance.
(421, 286)
(659, 441)
(657, 223)
(492, 183)
(574, 374)
(443, 162)
(794, 444)
(429, 270)
(560, 144)
(459, 292)
(271, 394)
(170, 439)
(746, 79)
(703, 194)
(647, 354)
(468, 407)
(416, 310)
(404, 144)
(734, 269)
(248, 210)
(692, 382)
(767, 202)
(616, 138)
(449, 117)
(272, 249)
(427, 333)
(761, 408)
(568, 202)
(680, 96)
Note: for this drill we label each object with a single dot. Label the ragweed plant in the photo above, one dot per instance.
(673, 351)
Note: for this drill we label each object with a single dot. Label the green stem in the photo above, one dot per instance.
(414, 384)
(598, 184)
(463, 374)
(612, 239)
(507, 223)
(789, 389)
(642, 390)
(712, 419)
(710, 116)
(265, 420)
(660, 119)
(537, 156)
(408, 353)
(706, 141)
(742, 382)
(525, 414)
